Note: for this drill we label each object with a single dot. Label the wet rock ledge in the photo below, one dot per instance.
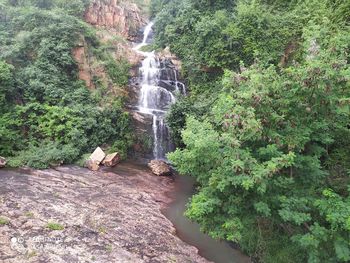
(71, 214)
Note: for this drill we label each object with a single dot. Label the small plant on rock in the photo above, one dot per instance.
(4, 221)
(54, 226)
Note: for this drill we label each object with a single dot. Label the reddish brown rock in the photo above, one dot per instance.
(112, 160)
(159, 168)
(92, 165)
(2, 162)
(83, 58)
(166, 54)
(124, 17)
(115, 21)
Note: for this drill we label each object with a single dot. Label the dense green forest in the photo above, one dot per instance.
(47, 115)
(266, 128)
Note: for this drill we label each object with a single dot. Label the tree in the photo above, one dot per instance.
(271, 155)
(43, 104)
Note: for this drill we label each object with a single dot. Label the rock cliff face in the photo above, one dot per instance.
(117, 22)
(83, 60)
(124, 18)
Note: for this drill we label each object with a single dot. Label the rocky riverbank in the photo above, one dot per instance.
(71, 214)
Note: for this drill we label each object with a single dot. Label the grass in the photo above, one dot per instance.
(82, 161)
(54, 226)
(172, 259)
(32, 254)
(109, 248)
(143, 4)
(4, 221)
(29, 214)
(148, 48)
(102, 230)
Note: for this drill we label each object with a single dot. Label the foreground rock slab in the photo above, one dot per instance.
(160, 168)
(107, 216)
(2, 162)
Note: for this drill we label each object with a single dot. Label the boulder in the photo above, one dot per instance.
(95, 159)
(160, 168)
(112, 159)
(92, 165)
(2, 162)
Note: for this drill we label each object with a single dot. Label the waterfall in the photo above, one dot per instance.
(155, 99)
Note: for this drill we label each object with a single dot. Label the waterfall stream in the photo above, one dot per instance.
(155, 99)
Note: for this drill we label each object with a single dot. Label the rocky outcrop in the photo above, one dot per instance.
(83, 59)
(112, 160)
(90, 68)
(2, 162)
(120, 16)
(95, 159)
(142, 128)
(288, 53)
(116, 22)
(104, 217)
(160, 168)
(165, 54)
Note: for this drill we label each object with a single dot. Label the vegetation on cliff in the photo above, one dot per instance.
(266, 128)
(47, 115)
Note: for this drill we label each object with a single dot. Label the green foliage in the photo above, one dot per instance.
(75, 8)
(176, 116)
(48, 116)
(210, 36)
(54, 226)
(265, 130)
(118, 71)
(148, 48)
(45, 155)
(144, 5)
(4, 221)
(6, 86)
(6, 76)
(82, 160)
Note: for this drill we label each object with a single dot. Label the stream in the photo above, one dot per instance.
(209, 248)
(155, 99)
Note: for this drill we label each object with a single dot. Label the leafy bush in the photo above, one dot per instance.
(47, 114)
(45, 155)
(118, 71)
(266, 128)
(262, 152)
(82, 160)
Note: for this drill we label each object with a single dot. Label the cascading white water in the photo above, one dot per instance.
(154, 99)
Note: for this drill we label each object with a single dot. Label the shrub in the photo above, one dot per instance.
(118, 71)
(44, 156)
